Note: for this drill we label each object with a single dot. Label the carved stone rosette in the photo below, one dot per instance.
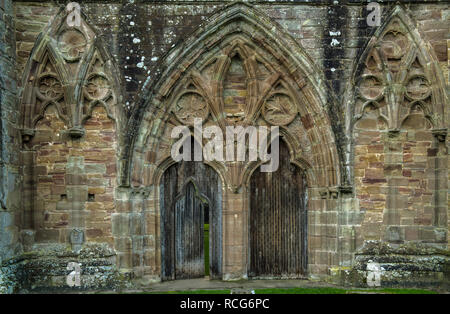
(236, 88)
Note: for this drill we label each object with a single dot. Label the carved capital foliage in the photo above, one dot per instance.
(398, 84)
(67, 69)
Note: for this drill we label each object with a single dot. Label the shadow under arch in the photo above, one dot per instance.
(182, 215)
(167, 161)
(295, 158)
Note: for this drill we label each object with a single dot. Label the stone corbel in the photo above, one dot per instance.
(393, 133)
(323, 194)
(345, 189)
(440, 134)
(333, 193)
(142, 192)
(27, 135)
(76, 132)
(329, 193)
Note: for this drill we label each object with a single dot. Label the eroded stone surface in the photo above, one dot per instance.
(86, 114)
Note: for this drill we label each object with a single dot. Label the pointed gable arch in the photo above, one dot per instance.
(397, 71)
(397, 103)
(65, 62)
(280, 79)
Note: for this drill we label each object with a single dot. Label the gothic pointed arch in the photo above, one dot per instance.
(397, 70)
(70, 118)
(396, 116)
(70, 69)
(239, 69)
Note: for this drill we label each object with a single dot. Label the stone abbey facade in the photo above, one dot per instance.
(87, 113)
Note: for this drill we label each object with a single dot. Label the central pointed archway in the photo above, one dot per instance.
(240, 69)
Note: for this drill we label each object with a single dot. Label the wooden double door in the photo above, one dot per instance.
(191, 197)
(278, 221)
(191, 193)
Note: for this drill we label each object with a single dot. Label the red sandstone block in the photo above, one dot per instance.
(374, 173)
(93, 233)
(376, 165)
(432, 152)
(307, 121)
(407, 157)
(373, 181)
(406, 191)
(378, 148)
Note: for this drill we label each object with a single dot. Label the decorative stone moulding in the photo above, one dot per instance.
(395, 74)
(393, 133)
(331, 193)
(76, 132)
(70, 70)
(418, 88)
(49, 87)
(279, 109)
(371, 88)
(345, 189)
(334, 193)
(440, 134)
(27, 135)
(189, 106)
(97, 87)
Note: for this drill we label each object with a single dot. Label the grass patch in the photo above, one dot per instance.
(301, 291)
(324, 290)
(192, 292)
(397, 291)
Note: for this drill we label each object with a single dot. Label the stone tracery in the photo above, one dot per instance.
(396, 76)
(67, 60)
(239, 69)
(399, 104)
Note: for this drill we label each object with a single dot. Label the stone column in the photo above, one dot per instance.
(235, 233)
(393, 173)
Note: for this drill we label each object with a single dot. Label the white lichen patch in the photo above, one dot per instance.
(334, 42)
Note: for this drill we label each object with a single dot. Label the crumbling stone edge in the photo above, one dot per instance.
(44, 269)
(401, 265)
